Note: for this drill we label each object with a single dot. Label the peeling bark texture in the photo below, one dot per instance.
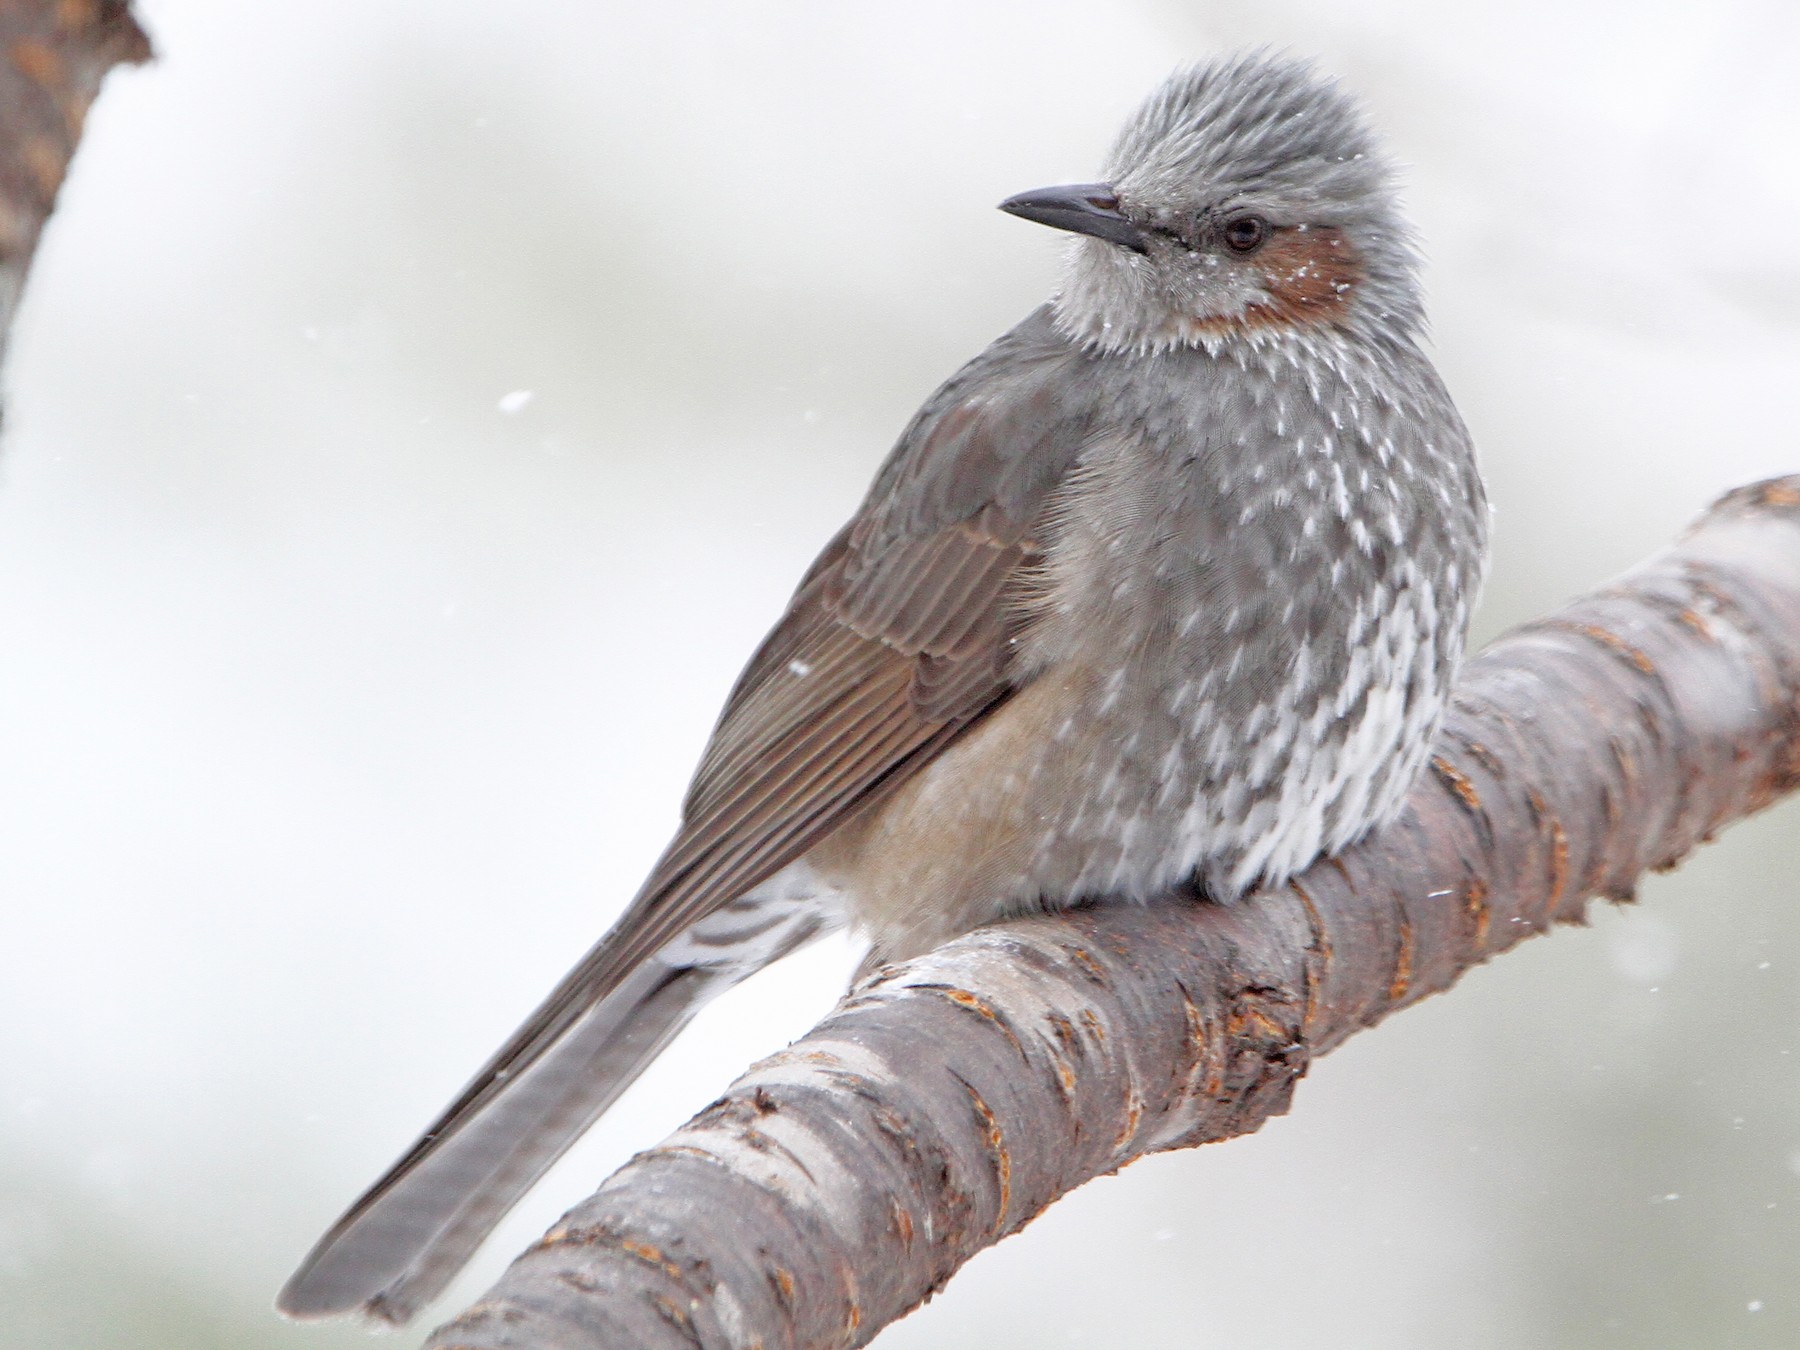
(53, 56)
(943, 1105)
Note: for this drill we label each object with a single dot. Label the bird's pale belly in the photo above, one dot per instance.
(1092, 785)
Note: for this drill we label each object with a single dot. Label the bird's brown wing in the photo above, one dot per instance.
(897, 641)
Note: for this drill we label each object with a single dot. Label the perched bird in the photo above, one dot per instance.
(1167, 586)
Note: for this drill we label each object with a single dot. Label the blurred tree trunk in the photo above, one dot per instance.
(53, 56)
(838, 1184)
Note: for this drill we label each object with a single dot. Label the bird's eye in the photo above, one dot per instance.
(1246, 234)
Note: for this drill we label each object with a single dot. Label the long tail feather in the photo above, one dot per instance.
(406, 1238)
(403, 1242)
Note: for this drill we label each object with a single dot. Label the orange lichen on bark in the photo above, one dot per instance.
(1486, 758)
(672, 1312)
(1778, 492)
(1403, 963)
(902, 1221)
(1559, 862)
(1248, 1021)
(1475, 905)
(1086, 962)
(650, 1256)
(962, 998)
(1134, 1113)
(996, 1144)
(1695, 620)
(1092, 1025)
(1611, 640)
(1457, 781)
(782, 1280)
(1318, 949)
(584, 1235)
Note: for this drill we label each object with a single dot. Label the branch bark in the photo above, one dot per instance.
(838, 1184)
(53, 56)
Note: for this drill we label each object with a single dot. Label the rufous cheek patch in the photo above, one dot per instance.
(1310, 272)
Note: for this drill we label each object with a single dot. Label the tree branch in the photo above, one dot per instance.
(841, 1182)
(53, 56)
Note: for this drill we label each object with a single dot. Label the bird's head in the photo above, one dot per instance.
(1246, 197)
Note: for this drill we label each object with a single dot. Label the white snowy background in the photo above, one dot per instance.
(346, 691)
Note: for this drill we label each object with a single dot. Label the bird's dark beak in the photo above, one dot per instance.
(1085, 208)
